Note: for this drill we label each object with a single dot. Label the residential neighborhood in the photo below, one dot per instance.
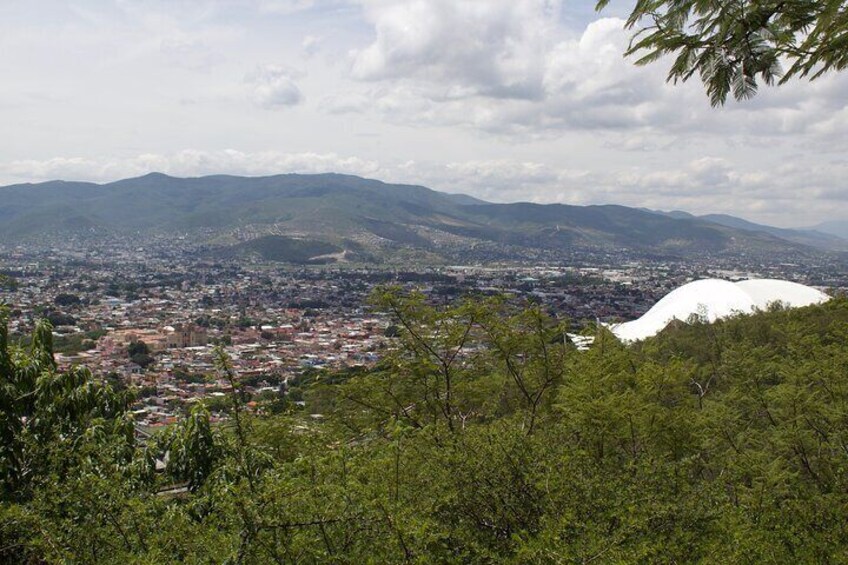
(151, 317)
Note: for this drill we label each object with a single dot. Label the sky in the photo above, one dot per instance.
(506, 100)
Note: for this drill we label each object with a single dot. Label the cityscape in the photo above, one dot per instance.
(424, 281)
(278, 322)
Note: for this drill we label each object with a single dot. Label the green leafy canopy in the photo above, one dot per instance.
(734, 44)
(482, 436)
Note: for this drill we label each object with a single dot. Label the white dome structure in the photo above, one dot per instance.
(712, 299)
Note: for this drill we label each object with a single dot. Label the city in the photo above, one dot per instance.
(278, 322)
(424, 281)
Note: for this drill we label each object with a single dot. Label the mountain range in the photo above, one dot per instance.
(343, 217)
(822, 237)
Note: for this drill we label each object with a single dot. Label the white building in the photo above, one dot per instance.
(712, 299)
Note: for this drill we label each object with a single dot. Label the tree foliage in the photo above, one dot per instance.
(43, 412)
(137, 348)
(8, 282)
(481, 437)
(66, 299)
(734, 44)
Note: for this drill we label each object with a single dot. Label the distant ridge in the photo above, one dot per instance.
(839, 228)
(373, 219)
(813, 237)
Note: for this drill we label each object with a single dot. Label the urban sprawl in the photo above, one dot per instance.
(150, 317)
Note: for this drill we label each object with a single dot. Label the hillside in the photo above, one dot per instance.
(277, 248)
(818, 237)
(809, 237)
(353, 213)
(836, 228)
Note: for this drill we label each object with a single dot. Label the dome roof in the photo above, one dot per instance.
(711, 299)
(766, 291)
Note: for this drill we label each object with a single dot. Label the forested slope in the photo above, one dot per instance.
(222, 210)
(481, 437)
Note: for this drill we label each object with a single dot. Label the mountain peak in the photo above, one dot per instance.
(156, 175)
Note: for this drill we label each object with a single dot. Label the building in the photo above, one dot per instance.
(185, 335)
(711, 299)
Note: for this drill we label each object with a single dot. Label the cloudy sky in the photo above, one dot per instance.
(506, 100)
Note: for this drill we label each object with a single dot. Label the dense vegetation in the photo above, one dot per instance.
(483, 436)
(284, 249)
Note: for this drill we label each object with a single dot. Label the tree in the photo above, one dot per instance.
(139, 353)
(45, 415)
(66, 299)
(459, 364)
(60, 319)
(143, 360)
(192, 448)
(734, 44)
(724, 441)
(8, 282)
(137, 348)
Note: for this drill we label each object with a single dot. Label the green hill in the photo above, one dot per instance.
(285, 249)
(387, 219)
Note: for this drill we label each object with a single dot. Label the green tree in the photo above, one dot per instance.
(139, 353)
(60, 319)
(734, 44)
(451, 366)
(8, 282)
(143, 360)
(44, 411)
(137, 348)
(66, 299)
(709, 442)
(192, 448)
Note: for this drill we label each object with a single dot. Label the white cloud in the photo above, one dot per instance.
(461, 48)
(284, 6)
(273, 86)
(506, 67)
(311, 44)
(190, 54)
(510, 67)
(189, 162)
